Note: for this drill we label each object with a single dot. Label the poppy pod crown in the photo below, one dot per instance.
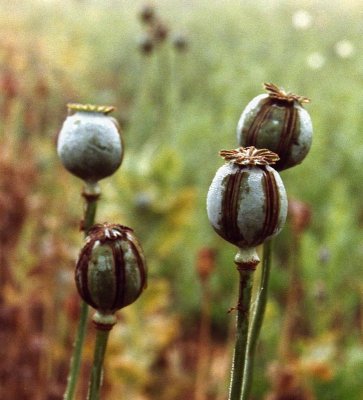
(246, 201)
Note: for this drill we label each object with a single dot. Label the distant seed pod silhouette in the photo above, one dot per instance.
(146, 44)
(180, 42)
(147, 14)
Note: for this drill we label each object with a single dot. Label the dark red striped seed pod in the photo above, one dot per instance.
(111, 271)
(247, 202)
(277, 121)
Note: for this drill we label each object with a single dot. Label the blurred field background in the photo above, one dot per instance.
(178, 106)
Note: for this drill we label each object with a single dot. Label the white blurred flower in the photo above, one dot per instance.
(344, 48)
(315, 60)
(301, 19)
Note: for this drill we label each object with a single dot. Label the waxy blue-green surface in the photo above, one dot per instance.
(101, 280)
(271, 129)
(250, 205)
(90, 145)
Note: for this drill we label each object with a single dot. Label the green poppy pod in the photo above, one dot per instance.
(277, 121)
(111, 271)
(90, 144)
(247, 202)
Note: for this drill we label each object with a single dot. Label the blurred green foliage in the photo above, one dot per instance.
(177, 110)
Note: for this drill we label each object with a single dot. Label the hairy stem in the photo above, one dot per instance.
(91, 195)
(98, 357)
(256, 321)
(245, 270)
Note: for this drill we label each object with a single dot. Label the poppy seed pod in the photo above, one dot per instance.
(89, 143)
(180, 42)
(277, 121)
(247, 202)
(146, 44)
(111, 270)
(147, 14)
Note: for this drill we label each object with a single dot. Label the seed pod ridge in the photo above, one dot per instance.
(111, 269)
(246, 201)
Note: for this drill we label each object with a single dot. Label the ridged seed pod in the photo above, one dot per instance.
(89, 143)
(111, 272)
(278, 122)
(247, 202)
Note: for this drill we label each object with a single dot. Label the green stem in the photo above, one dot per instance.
(98, 357)
(91, 195)
(89, 214)
(77, 353)
(243, 308)
(256, 321)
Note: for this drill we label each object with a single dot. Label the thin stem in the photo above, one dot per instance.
(89, 214)
(243, 309)
(256, 321)
(91, 195)
(77, 353)
(204, 344)
(98, 357)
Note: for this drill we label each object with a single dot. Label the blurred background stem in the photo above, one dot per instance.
(204, 344)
